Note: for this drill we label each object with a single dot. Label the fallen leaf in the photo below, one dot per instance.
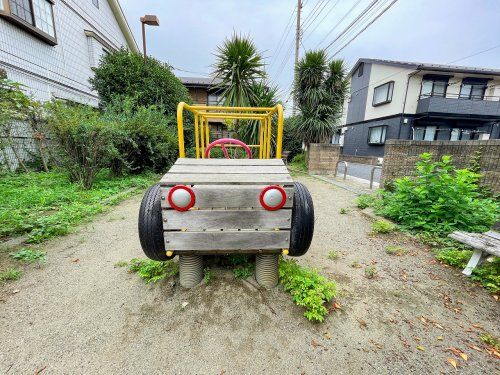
(362, 323)
(75, 260)
(475, 347)
(452, 362)
(423, 320)
(440, 338)
(417, 338)
(464, 356)
(15, 291)
(420, 347)
(495, 297)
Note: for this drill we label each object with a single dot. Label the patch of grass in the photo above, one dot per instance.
(152, 271)
(10, 275)
(488, 273)
(370, 272)
(299, 163)
(243, 272)
(365, 200)
(383, 226)
(395, 250)
(343, 211)
(45, 205)
(490, 340)
(27, 255)
(208, 275)
(121, 264)
(333, 255)
(355, 264)
(308, 289)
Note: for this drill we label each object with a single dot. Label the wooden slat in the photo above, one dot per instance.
(239, 169)
(227, 196)
(251, 240)
(225, 178)
(197, 220)
(478, 241)
(191, 161)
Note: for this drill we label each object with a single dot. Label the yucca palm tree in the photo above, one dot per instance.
(320, 90)
(239, 66)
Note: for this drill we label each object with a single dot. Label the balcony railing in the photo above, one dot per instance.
(461, 97)
(460, 106)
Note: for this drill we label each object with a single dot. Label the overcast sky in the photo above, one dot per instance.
(432, 31)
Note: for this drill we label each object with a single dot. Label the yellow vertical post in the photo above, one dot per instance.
(208, 132)
(202, 138)
(261, 138)
(196, 135)
(269, 128)
(279, 132)
(180, 129)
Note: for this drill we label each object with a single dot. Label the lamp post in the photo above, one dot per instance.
(151, 20)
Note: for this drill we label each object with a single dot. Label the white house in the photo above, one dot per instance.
(51, 46)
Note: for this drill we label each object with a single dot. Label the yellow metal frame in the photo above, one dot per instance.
(202, 113)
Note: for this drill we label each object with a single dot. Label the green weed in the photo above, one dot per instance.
(395, 250)
(121, 264)
(371, 272)
(355, 264)
(343, 211)
(333, 255)
(383, 226)
(10, 275)
(490, 340)
(365, 200)
(308, 289)
(152, 271)
(208, 275)
(30, 256)
(243, 272)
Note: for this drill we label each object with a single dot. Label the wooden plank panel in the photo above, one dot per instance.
(225, 178)
(191, 161)
(251, 240)
(239, 169)
(197, 220)
(227, 196)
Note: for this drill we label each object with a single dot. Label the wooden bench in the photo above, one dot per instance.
(482, 243)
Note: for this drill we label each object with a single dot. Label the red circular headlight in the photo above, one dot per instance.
(272, 197)
(181, 198)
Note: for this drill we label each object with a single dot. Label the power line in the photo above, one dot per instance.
(307, 25)
(326, 15)
(364, 28)
(189, 71)
(313, 11)
(282, 40)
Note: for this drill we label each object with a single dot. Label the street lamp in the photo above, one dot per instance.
(151, 20)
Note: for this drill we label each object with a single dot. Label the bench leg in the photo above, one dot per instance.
(475, 260)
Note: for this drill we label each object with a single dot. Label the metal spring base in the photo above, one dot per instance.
(190, 270)
(266, 270)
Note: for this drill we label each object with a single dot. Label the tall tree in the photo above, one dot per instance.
(321, 88)
(239, 66)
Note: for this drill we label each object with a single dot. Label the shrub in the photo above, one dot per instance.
(152, 271)
(383, 226)
(84, 141)
(291, 142)
(147, 139)
(29, 256)
(439, 199)
(10, 275)
(488, 274)
(308, 289)
(151, 82)
(365, 200)
(299, 162)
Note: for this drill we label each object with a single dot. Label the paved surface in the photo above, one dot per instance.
(360, 171)
(79, 314)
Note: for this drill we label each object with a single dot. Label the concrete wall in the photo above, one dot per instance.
(63, 70)
(400, 157)
(323, 158)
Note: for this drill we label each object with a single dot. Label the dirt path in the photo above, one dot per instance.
(79, 314)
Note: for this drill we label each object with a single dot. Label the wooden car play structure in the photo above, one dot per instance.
(206, 206)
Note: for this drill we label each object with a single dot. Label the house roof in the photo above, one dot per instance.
(199, 81)
(428, 66)
(124, 26)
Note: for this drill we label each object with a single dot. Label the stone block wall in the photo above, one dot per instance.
(401, 155)
(323, 158)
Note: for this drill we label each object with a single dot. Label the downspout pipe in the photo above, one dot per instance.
(404, 102)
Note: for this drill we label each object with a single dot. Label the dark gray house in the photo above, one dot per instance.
(407, 100)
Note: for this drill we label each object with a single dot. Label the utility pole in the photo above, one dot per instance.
(297, 48)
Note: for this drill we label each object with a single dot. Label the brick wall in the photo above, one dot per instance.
(323, 158)
(373, 160)
(400, 157)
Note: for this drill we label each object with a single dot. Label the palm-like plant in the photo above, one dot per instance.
(320, 89)
(239, 66)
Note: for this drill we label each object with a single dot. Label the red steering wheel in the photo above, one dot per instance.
(224, 141)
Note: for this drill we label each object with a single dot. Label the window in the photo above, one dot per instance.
(473, 91)
(424, 133)
(434, 86)
(376, 135)
(96, 3)
(360, 69)
(383, 94)
(464, 134)
(213, 99)
(35, 16)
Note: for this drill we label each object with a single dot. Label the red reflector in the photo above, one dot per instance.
(181, 198)
(272, 197)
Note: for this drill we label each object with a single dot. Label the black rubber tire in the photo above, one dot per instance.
(151, 225)
(302, 230)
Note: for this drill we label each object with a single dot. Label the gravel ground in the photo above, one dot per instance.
(78, 314)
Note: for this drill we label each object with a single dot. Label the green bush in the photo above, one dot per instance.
(488, 274)
(291, 142)
(440, 199)
(308, 289)
(152, 271)
(299, 162)
(85, 143)
(30, 256)
(126, 74)
(365, 200)
(146, 138)
(10, 275)
(383, 226)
